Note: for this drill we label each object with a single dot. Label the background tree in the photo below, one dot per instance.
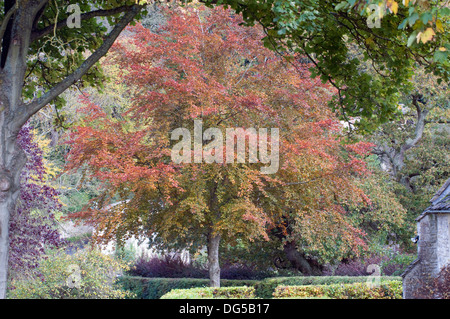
(408, 33)
(414, 148)
(203, 65)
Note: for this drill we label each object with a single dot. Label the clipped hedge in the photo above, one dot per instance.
(265, 288)
(360, 290)
(155, 288)
(212, 293)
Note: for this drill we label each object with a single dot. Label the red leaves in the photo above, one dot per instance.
(205, 66)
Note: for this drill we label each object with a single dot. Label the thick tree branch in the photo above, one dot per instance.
(396, 156)
(27, 110)
(37, 34)
(420, 125)
(5, 21)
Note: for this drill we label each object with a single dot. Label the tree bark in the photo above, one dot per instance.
(213, 260)
(299, 261)
(395, 157)
(14, 159)
(15, 32)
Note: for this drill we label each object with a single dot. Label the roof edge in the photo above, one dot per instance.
(431, 212)
(410, 267)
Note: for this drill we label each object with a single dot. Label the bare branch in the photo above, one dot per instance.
(6, 19)
(37, 34)
(420, 125)
(27, 110)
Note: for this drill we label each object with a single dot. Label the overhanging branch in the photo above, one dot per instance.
(5, 21)
(37, 34)
(27, 110)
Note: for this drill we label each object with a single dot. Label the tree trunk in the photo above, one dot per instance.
(20, 18)
(394, 157)
(213, 260)
(15, 159)
(300, 262)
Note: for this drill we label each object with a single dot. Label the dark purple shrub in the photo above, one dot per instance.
(172, 266)
(31, 232)
(168, 266)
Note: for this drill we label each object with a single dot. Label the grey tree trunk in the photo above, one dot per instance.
(394, 157)
(12, 157)
(16, 32)
(9, 192)
(213, 260)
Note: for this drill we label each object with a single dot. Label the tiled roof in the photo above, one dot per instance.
(410, 267)
(440, 203)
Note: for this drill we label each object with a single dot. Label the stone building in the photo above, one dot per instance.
(433, 242)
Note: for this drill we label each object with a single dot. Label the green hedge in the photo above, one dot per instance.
(155, 288)
(265, 288)
(210, 293)
(385, 290)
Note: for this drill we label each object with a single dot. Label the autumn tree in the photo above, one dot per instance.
(204, 67)
(42, 56)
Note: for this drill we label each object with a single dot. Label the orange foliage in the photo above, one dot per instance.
(203, 65)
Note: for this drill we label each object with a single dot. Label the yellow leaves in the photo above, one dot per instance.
(369, 41)
(425, 36)
(393, 6)
(439, 26)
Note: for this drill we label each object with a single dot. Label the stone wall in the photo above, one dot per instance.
(443, 240)
(411, 280)
(427, 249)
(433, 252)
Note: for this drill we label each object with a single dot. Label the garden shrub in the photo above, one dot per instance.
(234, 292)
(86, 274)
(211, 292)
(154, 288)
(265, 288)
(172, 266)
(168, 266)
(360, 290)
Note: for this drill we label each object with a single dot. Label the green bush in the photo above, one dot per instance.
(360, 290)
(265, 288)
(87, 274)
(211, 292)
(154, 288)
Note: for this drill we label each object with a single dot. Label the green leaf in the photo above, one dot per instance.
(341, 5)
(403, 24)
(440, 56)
(412, 38)
(413, 18)
(427, 16)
